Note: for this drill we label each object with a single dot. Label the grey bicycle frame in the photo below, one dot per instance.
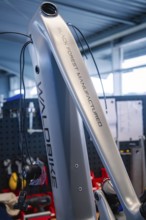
(65, 92)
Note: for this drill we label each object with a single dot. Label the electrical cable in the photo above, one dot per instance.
(21, 79)
(21, 120)
(22, 100)
(24, 105)
(90, 51)
(16, 33)
(22, 108)
(22, 111)
(82, 48)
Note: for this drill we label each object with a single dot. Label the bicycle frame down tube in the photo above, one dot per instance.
(64, 135)
(51, 35)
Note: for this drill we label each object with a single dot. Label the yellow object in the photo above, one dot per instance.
(23, 183)
(13, 181)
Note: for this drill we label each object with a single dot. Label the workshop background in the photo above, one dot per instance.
(116, 33)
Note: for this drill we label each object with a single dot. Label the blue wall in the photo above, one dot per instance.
(4, 85)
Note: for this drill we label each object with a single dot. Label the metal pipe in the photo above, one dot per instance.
(123, 70)
(118, 35)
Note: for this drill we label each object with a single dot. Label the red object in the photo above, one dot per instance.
(40, 218)
(97, 181)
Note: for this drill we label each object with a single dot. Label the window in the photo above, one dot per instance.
(134, 80)
(107, 85)
(31, 91)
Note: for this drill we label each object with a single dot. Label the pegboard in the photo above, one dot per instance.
(9, 132)
(9, 140)
(9, 137)
(94, 160)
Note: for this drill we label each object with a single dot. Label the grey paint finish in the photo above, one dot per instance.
(67, 154)
(56, 35)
